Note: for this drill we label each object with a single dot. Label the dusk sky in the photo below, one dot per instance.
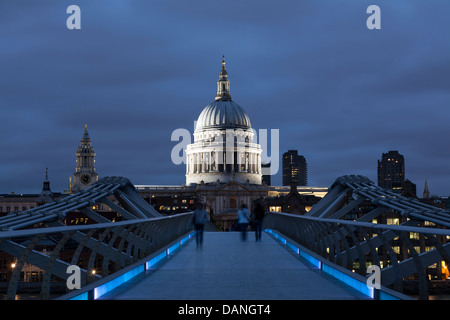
(137, 70)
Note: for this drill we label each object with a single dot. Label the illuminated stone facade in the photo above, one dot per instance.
(223, 148)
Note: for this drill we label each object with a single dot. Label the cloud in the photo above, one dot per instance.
(339, 93)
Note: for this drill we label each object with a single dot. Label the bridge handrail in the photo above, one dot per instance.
(424, 230)
(37, 231)
(100, 249)
(353, 244)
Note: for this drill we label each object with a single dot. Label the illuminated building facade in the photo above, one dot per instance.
(223, 167)
(223, 148)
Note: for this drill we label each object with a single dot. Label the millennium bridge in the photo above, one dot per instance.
(335, 251)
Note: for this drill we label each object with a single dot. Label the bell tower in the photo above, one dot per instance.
(85, 174)
(46, 194)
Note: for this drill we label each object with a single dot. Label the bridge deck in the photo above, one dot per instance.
(227, 268)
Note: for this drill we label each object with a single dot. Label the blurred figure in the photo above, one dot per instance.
(243, 220)
(258, 217)
(199, 218)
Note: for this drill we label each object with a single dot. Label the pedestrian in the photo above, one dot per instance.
(199, 218)
(243, 220)
(258, 217)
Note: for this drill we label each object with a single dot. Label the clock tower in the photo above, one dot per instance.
(85, 174)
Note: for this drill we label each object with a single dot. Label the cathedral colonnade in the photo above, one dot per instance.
(211, 156)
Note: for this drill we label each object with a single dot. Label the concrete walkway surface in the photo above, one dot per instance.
(226, 268)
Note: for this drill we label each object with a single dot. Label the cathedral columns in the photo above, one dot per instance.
(202, 161)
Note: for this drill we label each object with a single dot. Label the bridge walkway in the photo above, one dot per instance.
(226, 268)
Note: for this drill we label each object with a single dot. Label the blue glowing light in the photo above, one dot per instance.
(315, 262)
(352, 282)
(173, 248)
(127, 276)
(156, 259)
(110, 285)
(293, 248)
(347, 279)
(82, 296)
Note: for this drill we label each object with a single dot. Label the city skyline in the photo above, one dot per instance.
(340, 94)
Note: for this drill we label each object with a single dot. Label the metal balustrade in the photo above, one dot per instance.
(99, 249)
(350, 191)
(350, 244)
(357, 244)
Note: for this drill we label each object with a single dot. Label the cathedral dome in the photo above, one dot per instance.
(223, 114)
(216, 154)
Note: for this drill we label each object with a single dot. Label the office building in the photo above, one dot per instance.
(295, 169)
(391, 171)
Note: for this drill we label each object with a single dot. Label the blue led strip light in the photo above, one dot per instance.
(347, 279)
(106, 287)
(110, 285)
(83, 296)
(315, 262)
(152, 262)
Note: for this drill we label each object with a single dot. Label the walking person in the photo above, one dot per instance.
(199, 218)
(258, 215)
(243, 220)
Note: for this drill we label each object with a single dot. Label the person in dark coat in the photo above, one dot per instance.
(258, 216)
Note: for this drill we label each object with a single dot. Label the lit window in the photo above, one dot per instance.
(392, 221)
(414, 235)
